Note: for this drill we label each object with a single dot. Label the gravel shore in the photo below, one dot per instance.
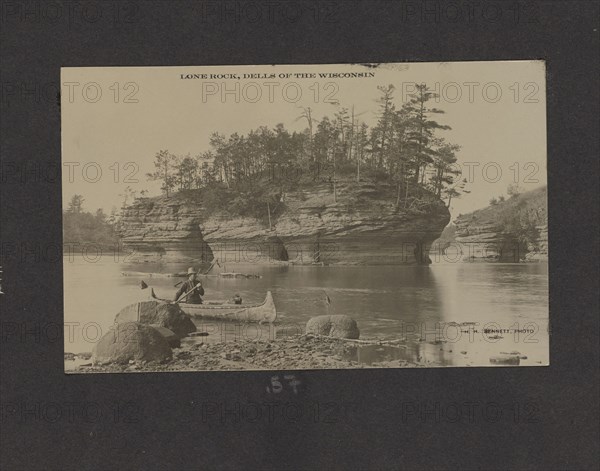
(304, 352)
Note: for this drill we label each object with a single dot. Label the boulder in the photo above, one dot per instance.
(163, 314)
(339, 326)
(169, 335)
(131, 341)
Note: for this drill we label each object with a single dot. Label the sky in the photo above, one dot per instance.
(115, 119)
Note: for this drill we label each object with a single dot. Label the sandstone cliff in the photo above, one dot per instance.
(510, 231)
(362, 227)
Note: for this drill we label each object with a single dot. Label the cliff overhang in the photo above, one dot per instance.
(361, 224)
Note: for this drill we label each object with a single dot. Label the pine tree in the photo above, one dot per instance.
(76, 204)
(422, 129)
(164, 163)
(382, 131)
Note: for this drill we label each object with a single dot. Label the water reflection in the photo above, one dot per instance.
(389, 302)
(424, 353)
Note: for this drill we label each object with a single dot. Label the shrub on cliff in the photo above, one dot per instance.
(521, 222)
(216, 197)
(252, 198)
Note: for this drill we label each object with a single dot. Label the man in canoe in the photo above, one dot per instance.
(194, 285)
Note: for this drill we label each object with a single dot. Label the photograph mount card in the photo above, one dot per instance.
(304, 216)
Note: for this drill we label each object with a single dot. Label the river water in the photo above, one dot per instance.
(438, 311)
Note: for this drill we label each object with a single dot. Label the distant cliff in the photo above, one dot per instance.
(513, 230)
(363, 226)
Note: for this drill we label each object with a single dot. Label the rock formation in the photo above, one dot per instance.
(361, 226)
(514, 230)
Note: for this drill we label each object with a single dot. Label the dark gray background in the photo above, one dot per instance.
(163, 427)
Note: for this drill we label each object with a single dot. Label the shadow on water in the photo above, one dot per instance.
(422, 353)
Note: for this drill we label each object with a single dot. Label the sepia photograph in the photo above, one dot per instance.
(304, 217)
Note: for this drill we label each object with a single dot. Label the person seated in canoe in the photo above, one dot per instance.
(193, 287)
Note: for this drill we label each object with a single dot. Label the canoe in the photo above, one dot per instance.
(261, 312)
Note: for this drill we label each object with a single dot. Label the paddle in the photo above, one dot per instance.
(153, 295)
(216, 260)
(184, 295)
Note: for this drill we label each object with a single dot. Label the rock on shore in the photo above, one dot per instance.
(131, 341)
(159, 313)
(339, 326)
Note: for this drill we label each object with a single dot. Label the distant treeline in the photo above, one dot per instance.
(84, 229)
(404, 147)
